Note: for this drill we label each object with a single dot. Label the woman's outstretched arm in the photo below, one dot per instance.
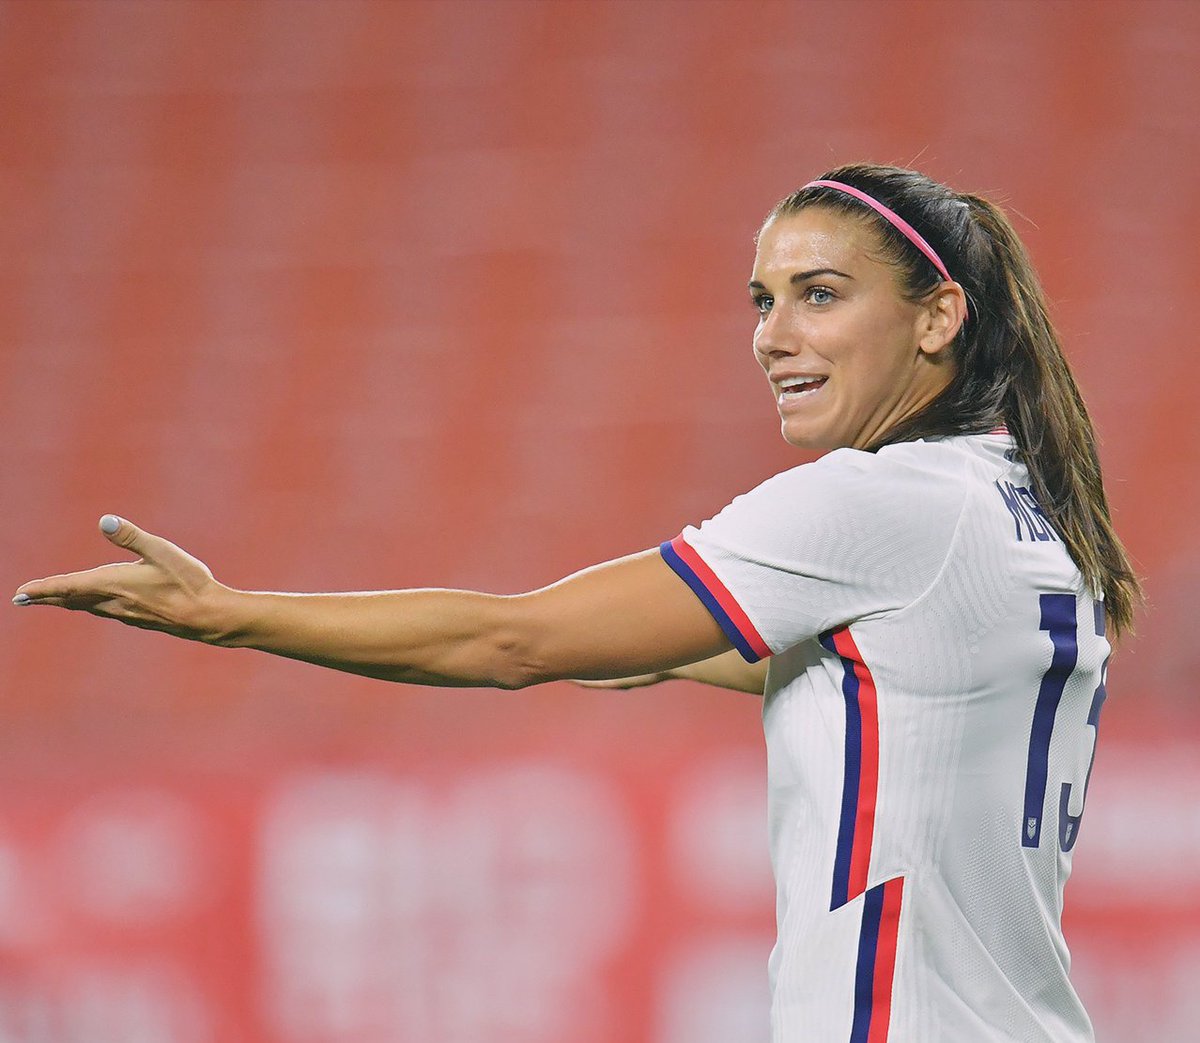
(626, 617)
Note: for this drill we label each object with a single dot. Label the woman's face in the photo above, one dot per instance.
(846, 355)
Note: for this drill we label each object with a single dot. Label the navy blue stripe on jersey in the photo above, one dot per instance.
(1058, 619)
(856, 826)
(845, 838)
(876, 965)
(691, 568)
(864, 974)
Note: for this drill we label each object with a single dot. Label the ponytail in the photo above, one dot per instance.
(1010, 365)
(1050, 424)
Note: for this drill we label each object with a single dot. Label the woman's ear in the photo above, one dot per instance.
(942, 317)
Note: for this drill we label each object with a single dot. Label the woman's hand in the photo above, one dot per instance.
(728, 670)
(165, 589)
(640, 681)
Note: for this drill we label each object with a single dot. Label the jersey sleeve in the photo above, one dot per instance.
(852, 536)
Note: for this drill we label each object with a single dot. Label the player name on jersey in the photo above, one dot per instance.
(1030, 520)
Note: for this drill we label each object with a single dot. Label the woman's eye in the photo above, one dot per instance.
(818, 295)
(763, 303)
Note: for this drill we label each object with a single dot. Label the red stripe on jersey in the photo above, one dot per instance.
(885, 961)
(868, 765)
(727, 601)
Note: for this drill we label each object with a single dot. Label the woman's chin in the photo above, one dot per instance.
(806, 436)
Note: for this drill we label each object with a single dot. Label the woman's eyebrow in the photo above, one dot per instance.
(803, 277)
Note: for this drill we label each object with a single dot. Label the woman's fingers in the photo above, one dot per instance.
(66, 589)
(640, 681)
(159, 591)
(137, 541)
(81, 590)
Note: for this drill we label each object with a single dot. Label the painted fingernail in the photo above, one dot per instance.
(109, 524)
(22, 599)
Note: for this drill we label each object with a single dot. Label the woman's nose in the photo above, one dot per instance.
(773, 337)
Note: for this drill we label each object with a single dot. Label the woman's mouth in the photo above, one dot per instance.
(793, 389)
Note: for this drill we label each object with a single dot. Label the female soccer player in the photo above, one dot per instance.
(933, 596)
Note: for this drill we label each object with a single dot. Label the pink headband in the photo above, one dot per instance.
(893, 218)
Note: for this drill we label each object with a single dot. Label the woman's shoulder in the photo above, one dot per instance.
(899, 486)
(960, 460)
(846, 490)
(902, 467)
(900, 483)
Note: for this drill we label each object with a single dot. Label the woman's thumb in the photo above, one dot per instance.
(125, 534)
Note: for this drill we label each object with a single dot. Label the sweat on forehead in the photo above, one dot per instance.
(893, 218)
(862, 218)
(818, 236)
(842, 224)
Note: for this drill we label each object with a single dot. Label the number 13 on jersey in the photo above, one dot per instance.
(1058, 619)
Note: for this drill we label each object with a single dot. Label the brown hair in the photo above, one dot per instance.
(1010, 365)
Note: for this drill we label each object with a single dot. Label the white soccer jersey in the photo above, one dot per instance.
(930, 714)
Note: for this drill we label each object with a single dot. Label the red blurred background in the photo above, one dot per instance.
(361, 294)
